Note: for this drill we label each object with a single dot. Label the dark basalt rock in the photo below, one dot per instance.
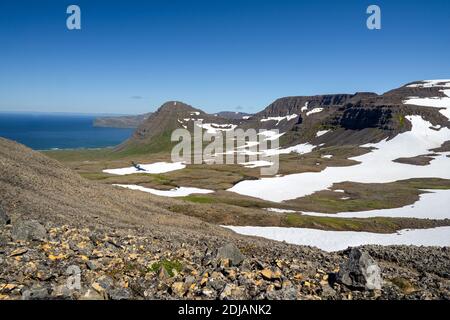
(360, 271)
(28, 230)
(4, 218)
(231, 252)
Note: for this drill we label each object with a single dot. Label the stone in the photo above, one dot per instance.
(92, 295)
(178, 288)
(269, 274)
(231, 252)
(103, 284)
(35, 293)
(232, 292)
(360, 272)
(28, 230)
(18, 252)
(120, 294)
(62, 292)
(91, 265)
(163, 274)
(4, 218)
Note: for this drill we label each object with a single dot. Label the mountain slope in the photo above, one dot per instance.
(153, 135)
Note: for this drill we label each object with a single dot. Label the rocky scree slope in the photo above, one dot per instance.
(126, 247)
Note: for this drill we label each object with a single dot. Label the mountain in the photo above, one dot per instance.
(153, 135)
(121, 121)
(349, 118)
(135, 121)
(332, 119)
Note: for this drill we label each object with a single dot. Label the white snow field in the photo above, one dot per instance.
(152, 168)
(376, 166)
(445, 83)
(434, 102)
(432, 205)
(340, 240)
(176, 192)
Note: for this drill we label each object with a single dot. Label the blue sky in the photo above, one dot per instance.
(131, 56)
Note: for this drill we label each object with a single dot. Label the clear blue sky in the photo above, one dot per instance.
(131, 56)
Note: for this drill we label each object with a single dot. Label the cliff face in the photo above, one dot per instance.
(302, 117)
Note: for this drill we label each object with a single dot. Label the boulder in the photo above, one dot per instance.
(28, 230)
(4, 218)
(360, 271)
(35, 293)
(230, 252)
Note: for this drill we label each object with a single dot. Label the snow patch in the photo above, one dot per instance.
(321, 132)
(176, 192)
(376, 166)
(340, 240)
(153, 168)
(288, 117)
(442, 103)
(315, 110)
(278, 210)
(432, 205)
(214, 128)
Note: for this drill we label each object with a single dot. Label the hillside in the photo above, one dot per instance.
(127, 245)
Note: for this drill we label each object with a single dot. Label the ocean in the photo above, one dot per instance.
(47, 131)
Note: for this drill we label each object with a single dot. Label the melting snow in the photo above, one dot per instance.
(321, 132)
(431, 84)
(278, 210)
(271, 135)
(257, 164)
(213, 128)
(433, 205)
(176, 192)
(375, 167)
(315, 110)
(288, 117)
(153, 168)
(305, 107)
(435, 102)
(340, 240)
